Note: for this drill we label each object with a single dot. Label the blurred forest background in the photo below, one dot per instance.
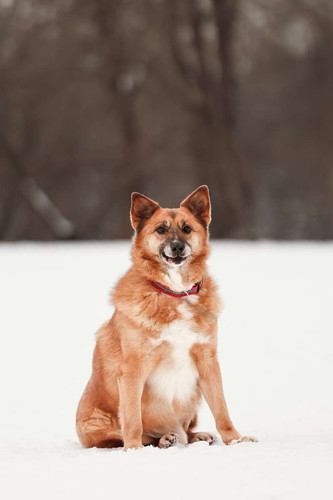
(99, 98)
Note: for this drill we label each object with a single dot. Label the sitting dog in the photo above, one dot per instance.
(157, 355)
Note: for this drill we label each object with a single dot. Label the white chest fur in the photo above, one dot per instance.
(176, 376)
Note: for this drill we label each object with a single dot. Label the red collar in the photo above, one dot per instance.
(162, 288)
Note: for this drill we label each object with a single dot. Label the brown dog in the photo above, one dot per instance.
(157, 354)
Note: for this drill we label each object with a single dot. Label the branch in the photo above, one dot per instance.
(39, 201)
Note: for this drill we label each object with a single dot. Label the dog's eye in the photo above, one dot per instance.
(160, 230)
(187, 229)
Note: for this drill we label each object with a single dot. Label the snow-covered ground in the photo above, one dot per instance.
(276, 352)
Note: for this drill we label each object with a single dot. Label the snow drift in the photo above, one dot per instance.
(276, 353)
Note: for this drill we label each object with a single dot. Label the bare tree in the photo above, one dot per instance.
(99, 98)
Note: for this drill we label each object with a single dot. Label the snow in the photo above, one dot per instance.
(276, 352)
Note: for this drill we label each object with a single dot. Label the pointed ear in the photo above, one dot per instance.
(142, 208)
(198, 203)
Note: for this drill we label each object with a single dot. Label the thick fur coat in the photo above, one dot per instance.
(156, 356)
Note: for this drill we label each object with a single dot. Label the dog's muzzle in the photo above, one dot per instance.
(176, 252)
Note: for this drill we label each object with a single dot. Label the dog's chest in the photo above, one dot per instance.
(176, 375)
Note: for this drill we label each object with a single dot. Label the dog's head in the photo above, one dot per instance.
(172, 237)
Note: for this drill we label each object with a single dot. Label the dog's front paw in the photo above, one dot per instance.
(233, 437)
(243, 439)
(132, 445)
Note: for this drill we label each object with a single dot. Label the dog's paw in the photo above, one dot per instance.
(133, 445)
(233, 437)
(203, 436)
(244, 439)
(168, 440)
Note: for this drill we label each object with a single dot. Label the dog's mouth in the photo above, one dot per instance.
(178, 260)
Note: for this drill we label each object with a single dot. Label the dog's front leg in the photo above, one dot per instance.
(210, 382)
(130, 385)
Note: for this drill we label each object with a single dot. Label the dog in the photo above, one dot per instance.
(156, 356)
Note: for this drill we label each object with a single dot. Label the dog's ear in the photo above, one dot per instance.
(142, 208)
(198, 203)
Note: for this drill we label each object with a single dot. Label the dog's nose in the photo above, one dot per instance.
(177, 247)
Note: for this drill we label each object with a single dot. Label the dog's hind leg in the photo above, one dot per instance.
(194, 437)
(100, 430)
(165, 438)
